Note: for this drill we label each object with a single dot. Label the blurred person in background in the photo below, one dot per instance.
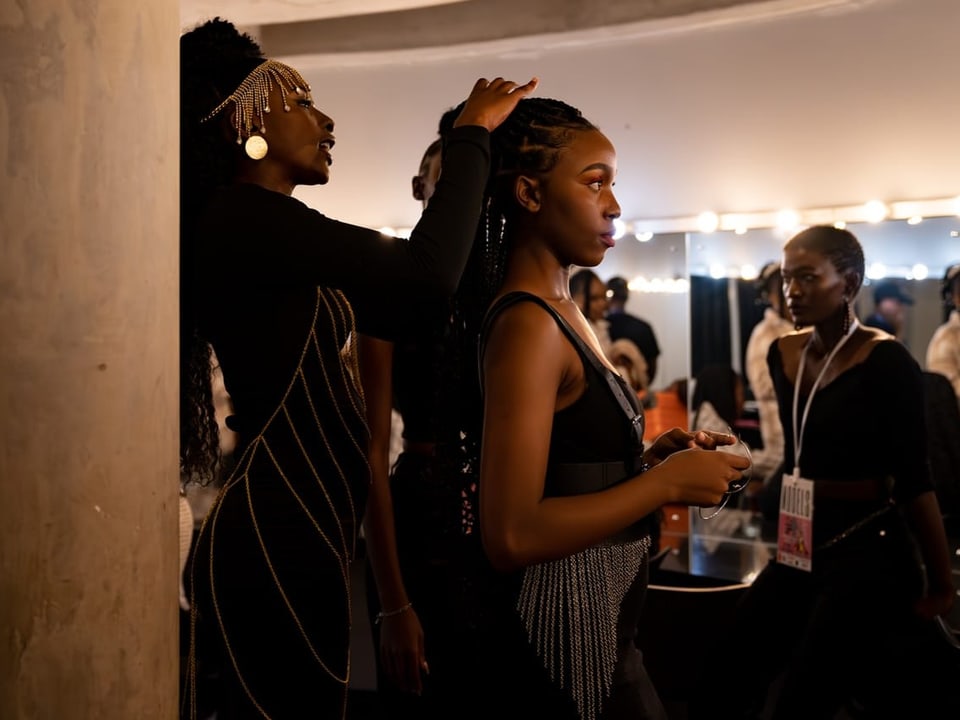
(590, 294)
(890, 308)
(943, 352)
(776, 322)
(621, 324)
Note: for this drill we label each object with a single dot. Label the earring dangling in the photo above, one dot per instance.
(255, 147)
(846, 316)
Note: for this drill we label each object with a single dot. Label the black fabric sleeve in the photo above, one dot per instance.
(261, 238)
(873, 428)
(898, 377)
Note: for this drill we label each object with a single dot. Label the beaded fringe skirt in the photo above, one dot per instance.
(570, 608)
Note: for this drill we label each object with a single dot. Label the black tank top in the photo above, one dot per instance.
(603, 427)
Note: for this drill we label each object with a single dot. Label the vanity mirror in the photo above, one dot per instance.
(722, 266)
(697, 289)
(656, 268)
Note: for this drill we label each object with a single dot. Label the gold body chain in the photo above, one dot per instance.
(341, 542)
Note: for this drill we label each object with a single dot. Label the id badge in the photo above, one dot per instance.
(795, 527)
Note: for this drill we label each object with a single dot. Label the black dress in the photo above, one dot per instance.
(557, 638)
(828, 635)
(282, 292)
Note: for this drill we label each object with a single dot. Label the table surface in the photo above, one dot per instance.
(735, 546)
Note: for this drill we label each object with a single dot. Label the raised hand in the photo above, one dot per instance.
(491, 101)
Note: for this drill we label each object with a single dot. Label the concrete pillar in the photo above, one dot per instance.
(88, 359)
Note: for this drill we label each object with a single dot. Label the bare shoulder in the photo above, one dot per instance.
(527, 352)
(525, 327)
(523, 315)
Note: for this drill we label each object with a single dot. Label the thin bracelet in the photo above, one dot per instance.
(390, 613)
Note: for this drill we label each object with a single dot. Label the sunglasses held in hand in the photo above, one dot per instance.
(736, 486)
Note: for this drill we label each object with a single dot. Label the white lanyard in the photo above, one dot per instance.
(798, 431)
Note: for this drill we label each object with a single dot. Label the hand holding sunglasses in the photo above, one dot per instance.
(738, 447)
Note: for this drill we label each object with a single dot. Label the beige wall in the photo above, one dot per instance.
(88, 359)
(733, 112)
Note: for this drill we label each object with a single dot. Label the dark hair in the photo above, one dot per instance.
(528, 142)
(840, 247)
(433, 149)
(214, 59)
(580, 283)
(769, 286)
(619, 288)
(950, 277)
(717, 385)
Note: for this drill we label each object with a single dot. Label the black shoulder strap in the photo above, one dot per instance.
(616, 388)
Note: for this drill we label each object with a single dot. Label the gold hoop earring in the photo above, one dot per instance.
(255, 147)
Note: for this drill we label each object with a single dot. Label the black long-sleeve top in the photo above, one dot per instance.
(867, 423)
(261, 255)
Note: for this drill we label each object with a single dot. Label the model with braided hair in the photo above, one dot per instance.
(565, 482)
(514, 640)
(279, 292)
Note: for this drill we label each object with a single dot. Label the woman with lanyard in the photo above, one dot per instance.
(819, 622)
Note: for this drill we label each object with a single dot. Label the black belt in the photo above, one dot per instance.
(582, 478)
(571, 479)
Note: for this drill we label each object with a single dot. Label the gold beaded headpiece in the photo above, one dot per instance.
(252, 98)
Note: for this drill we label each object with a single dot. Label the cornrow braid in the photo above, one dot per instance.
(528, 142)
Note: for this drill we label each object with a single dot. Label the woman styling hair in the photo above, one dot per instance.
(564, 479)
(279, 291)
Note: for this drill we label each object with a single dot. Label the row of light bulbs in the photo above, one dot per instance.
(748, 271)
(874, 271)
(788, 221)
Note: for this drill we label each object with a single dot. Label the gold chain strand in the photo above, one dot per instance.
(252, 99)
(342, 556)
(348, 318)
(326, 442)
(219, 615)
(316, 476)
(350, 365)
(208, 521)
(330, 454)
(286, 599)
(258, 442)
(360, 412)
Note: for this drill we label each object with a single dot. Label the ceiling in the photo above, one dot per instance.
(728, 105)
(264, 12)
